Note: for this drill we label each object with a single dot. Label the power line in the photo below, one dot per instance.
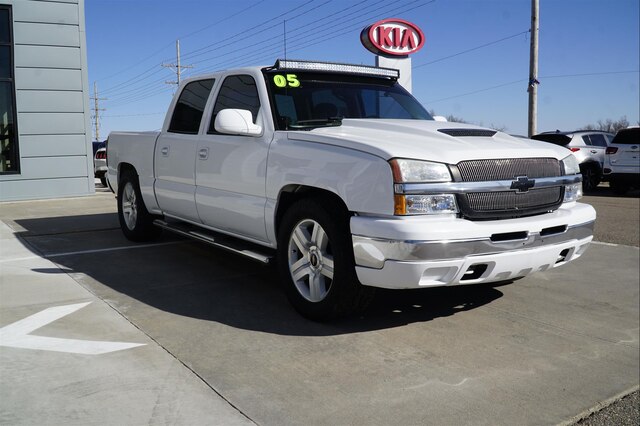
(236, 37)
(472, 49)
(150, 89)
(592, 73)
(154, 70)
(134, 115)
(338, 28)
(477, 91)
(306, 28)
(171, 43)
(541, 78)
(126, 95)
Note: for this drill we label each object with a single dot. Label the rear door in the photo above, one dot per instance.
(175, 154)
(628, 143)
(597, 145)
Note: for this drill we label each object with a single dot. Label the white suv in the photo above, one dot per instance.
(622, 161)
(588, 146)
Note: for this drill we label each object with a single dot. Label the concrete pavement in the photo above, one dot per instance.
(141, 385)
(217, 331)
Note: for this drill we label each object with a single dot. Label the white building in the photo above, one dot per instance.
(45, 129)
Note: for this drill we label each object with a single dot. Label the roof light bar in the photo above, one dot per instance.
(335, 67)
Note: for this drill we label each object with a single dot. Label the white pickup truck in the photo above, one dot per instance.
(341, 176)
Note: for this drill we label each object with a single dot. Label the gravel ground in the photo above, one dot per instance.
(624, 412)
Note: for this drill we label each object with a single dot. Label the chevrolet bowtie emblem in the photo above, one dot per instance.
(523, 184)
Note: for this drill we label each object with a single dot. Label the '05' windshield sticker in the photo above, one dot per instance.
(290, 80)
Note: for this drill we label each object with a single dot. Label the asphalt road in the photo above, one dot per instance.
(547, 349)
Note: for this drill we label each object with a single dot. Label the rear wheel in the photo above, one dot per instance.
(619, 186)
(135, 221)
(315, 258)
(590, 177)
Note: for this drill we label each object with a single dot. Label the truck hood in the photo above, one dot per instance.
(428, 140)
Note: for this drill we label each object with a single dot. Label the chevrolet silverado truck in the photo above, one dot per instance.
(340, 176)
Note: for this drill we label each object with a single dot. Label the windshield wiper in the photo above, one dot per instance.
(316, 122)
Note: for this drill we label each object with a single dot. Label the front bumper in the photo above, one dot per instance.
(430, 251)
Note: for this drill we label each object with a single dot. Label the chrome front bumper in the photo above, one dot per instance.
(374, 252)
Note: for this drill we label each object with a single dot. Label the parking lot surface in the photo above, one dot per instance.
(223, 346)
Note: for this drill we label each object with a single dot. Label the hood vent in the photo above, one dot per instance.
(460, 133)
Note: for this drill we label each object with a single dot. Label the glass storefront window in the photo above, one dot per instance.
(8, 134)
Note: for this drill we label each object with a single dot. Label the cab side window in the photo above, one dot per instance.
(238, 92)
(190, 107)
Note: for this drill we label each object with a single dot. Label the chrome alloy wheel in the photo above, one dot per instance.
(129, 206)
(310, 260)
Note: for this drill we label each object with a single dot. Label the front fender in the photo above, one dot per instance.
(363, 181)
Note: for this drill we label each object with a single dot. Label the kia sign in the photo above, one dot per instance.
(392, 37)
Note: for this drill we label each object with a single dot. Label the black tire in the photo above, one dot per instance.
(318, 292)
(619, 187)
(591, 177)
(135, 220)
(103, 181)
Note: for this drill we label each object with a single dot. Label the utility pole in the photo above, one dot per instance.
(533, 69)
(177, 66)
(96, 110)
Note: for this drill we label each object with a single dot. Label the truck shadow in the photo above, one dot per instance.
(603, 190)
(192, 280)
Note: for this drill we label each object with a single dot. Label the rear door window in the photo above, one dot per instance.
(187, 114)
(598, 140)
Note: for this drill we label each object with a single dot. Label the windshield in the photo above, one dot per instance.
(305, 100)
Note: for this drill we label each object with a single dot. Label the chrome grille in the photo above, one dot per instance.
(509, 200)
(504, 169)
(485, 205)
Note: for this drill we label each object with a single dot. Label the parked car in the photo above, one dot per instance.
(588, 146)
(100, 165)
(622, 161)
(96, 145)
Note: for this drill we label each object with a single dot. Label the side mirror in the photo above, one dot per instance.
(440, 118)
(236, 122)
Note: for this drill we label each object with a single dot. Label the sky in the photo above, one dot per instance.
(474, 64)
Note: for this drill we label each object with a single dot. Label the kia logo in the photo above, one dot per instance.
(522, 184)
(392, 37)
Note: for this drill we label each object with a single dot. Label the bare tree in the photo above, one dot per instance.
(609, 125)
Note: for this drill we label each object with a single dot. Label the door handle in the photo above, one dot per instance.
(165, 151)
(203, 154)
(593, 151)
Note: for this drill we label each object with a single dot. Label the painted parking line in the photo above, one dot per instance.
(81, 252)
(102, 250)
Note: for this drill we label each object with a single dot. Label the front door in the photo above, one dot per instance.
(230, 169)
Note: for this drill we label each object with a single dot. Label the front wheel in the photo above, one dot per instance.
(315, 258)
(135, 221)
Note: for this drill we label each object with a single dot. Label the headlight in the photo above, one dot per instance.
(419, 171)
(571, 166)
(572, 192)
(424, 204)
(415, 172)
